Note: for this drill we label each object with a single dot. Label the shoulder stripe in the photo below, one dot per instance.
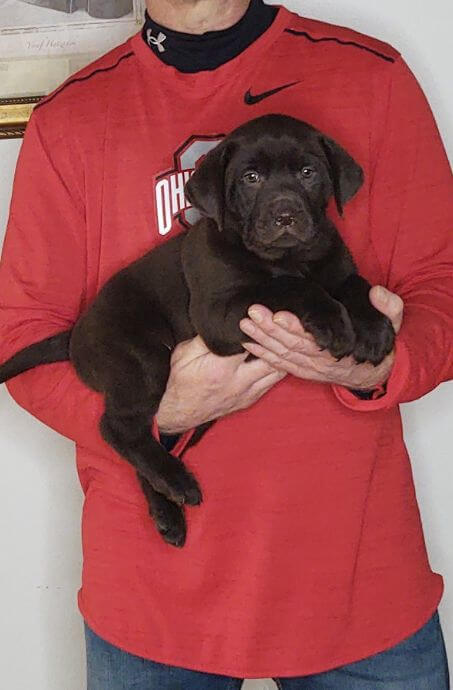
(74, 80)
(338, 40)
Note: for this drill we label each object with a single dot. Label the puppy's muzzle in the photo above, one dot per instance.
(285, 211)
(288, 216)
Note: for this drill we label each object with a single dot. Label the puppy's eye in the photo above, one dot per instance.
(307, 172)
(251, 176)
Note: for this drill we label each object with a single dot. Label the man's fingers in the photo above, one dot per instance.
(301, 366)
(291, 323)
(196, 347)
(290, 365)
(282, 324)
(389, 304)
(279, 341)
(271, 334)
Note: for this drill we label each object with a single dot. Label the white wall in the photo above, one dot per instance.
(40, 552)
(41, 638)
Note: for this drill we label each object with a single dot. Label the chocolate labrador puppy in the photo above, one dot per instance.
(264, 238)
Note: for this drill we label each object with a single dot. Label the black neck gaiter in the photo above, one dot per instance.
(195, 53)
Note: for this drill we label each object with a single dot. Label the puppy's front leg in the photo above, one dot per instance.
(374, 332)
(327, 319)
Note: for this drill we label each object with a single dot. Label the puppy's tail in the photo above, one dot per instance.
(47, 351)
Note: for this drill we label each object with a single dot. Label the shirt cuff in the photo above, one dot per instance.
(372, 394)
(173, 443)
(382, 398)
(169, 441)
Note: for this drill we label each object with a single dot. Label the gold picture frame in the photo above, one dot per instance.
(15, 114)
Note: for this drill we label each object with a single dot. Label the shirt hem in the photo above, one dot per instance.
(256, 673)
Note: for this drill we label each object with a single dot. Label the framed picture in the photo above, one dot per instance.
(42, 42)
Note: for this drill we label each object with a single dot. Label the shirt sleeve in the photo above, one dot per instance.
(43, 282)
(411, 222)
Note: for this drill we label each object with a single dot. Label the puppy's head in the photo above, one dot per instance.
(270, 181)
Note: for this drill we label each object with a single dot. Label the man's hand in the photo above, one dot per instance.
(203, 386)
(282, 342)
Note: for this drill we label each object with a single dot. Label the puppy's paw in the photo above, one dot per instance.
(375, 338)
(168, 517)
(173, 480)
(170, 520)
(332, 329)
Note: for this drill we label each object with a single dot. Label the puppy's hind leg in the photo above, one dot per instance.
(169, 517)
(133, 393)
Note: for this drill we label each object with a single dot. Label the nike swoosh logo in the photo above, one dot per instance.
(251, 99)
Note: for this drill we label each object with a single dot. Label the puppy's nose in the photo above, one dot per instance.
(284, 220)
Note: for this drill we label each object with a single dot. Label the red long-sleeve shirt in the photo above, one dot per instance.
(308, 551)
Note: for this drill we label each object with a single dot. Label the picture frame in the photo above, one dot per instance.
(43, 42)
(14, 115)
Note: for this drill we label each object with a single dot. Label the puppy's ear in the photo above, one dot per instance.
(346, 175)
(206, 187)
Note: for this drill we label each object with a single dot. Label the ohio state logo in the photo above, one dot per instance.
(171, 203)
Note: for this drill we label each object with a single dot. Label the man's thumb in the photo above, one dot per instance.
(389, 304)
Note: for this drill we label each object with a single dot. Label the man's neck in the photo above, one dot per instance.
(196, 16)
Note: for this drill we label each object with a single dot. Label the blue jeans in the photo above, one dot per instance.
(417, 663)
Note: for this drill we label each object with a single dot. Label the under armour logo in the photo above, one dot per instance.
(152, 40)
